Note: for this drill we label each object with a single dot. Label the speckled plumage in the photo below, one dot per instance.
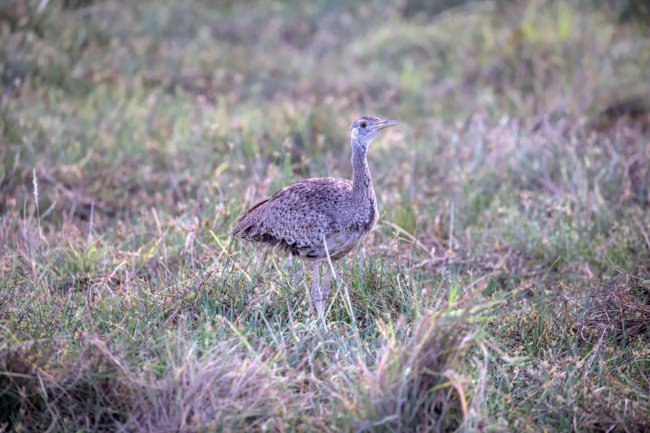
(298, 218)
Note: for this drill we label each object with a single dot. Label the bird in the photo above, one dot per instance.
(320, 218)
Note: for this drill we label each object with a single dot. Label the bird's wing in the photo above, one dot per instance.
(298, 216)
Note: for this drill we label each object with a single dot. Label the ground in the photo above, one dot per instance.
(505, 288)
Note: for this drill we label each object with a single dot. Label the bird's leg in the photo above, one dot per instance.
(325, 286)
(260, 262)
(316, 292)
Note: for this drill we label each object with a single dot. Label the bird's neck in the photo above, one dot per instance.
(362, 190)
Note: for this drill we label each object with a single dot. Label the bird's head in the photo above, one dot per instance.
(366, 128)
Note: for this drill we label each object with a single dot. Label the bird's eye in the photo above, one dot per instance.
(363, 125)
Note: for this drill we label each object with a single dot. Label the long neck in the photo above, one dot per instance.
(361, 181)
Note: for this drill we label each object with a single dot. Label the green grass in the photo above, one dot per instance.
(506, 287)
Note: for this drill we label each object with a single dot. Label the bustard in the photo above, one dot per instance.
(320, 217)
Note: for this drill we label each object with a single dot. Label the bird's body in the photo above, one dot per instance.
(321, 217)
(297, 219)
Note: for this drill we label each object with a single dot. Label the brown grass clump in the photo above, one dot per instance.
(90, 389)
(418, 383)
(216, 393)
(620, 312)
(220, 390)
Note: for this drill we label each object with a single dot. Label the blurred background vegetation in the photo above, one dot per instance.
(507, 287)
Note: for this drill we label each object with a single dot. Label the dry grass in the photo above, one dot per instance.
(506, 288)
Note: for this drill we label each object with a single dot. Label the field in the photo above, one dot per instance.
(506, 287)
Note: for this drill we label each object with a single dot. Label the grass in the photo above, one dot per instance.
(506, 287)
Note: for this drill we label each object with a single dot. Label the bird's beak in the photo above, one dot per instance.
(385, 124)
